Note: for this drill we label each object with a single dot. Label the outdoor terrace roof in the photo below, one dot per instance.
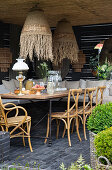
(79, 12)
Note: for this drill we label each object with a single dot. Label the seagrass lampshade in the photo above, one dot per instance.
(36, 36)
(64, 43)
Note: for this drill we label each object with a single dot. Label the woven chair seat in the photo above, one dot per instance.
(62, 114)
(81, 109)
(16, 120)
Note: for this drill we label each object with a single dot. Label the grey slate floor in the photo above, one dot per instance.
(48, 158)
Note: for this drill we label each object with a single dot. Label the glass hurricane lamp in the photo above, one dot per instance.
(20, 66)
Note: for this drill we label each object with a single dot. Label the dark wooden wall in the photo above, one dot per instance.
(9, 37)
(87, 37)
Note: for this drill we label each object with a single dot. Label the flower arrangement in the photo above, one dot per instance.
(42, 70)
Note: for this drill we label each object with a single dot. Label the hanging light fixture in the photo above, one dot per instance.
(64, 43)
(36, 36)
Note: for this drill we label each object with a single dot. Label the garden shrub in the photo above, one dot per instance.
(101, 118)
(103, 144)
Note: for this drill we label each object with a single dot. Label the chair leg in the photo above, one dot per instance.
(58, 124)
(28, 131)
(84, 128)
(64, 132)
(23, 136)
(47, 133)
(77, 128)
(68, 132)
(73, 122)
(2, 128)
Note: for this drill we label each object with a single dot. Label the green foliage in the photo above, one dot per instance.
(16, 166)
(42, 70)
(104, 71)
(103, 144)
(78, 165)
(94, 62)
(101, 118)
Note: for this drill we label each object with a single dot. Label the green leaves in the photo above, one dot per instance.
(101, 118)
(104, 71)
(78, 165)
(103, 143)
(94, 62)
(42, 70)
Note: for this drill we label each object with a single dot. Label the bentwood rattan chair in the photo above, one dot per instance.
(18, 125)
(67, 116)
(99, 94)
(86, 109)
(95, 96)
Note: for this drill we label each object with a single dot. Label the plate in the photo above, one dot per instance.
(60, 89)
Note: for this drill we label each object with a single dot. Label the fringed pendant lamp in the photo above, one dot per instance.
(36, 36)
(64, 43)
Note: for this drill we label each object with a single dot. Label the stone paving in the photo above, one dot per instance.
(48, 158)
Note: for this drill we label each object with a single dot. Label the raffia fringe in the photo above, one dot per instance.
(63, 50)
(41, 45)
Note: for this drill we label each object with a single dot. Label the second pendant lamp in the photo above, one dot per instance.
(36, 36)
(64, 43)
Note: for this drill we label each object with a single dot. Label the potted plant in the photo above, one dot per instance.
(100, 119)
(42, 70)
(93, 63)
(103, 71)
(103, 146)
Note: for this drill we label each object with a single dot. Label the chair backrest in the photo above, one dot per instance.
(74, 94)
(99, 94)
(88, 92)
(2, 112)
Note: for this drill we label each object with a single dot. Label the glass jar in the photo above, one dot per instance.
(29, 84)
(56, 77)
(50, 85)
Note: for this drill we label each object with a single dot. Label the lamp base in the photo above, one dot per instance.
(20, 94)
(20, 78)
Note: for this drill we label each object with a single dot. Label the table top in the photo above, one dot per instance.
(43, 96)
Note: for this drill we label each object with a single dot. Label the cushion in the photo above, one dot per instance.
(62, 84)
(108, 84)
(107, 99)
(110, 91)
(9, 85)
(94, 83)
(16, 82)
(72, 84)
(81, 98)
(3, 89)
(82, 84)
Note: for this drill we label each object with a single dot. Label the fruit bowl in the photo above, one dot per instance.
(38, 88)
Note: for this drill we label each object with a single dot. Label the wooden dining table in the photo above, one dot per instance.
(41, 97)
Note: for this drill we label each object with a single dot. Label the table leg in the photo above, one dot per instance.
(50, 110)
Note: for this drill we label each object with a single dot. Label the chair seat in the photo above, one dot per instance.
(80, 110)
(16, 120)
(62, 115)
